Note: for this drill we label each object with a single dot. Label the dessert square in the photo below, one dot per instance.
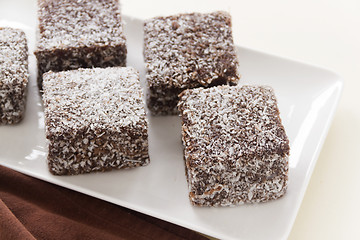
(79, 34)
(14, 75)
(187, 51)
(235, 146)
(95, 120)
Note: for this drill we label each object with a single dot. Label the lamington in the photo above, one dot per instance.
(14, 75)
(235, 147)
(94, 120)
(187, 51)
(79, 34)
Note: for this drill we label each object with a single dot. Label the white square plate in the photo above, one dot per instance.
(307, 97)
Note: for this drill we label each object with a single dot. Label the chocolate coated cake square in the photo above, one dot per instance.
(14, 75)
(95, 120)
(79, 34)
(187, 51)
(235, 146)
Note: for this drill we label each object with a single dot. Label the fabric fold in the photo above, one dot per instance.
(10, 226)
(34, 209)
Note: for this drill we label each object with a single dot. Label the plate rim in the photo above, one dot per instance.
(338, 81)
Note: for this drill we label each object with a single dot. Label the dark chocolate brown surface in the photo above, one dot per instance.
(235, 146)
(186, 51)
(79, 34)
(95, 120)
(14, 75)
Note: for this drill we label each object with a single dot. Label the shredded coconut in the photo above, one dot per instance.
(78, 23)
(13, 75)
(186, 51)
(95, 120)
(79, 34)
(233, 136)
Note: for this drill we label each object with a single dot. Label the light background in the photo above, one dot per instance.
(320, 32)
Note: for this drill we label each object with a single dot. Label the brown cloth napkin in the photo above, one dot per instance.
(34, 209)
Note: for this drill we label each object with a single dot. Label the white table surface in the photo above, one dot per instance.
(320, 32)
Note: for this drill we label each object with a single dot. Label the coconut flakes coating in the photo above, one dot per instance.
(95, 120)
(14, 75)
(79, 33)
(186, 51)
(235, 146)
